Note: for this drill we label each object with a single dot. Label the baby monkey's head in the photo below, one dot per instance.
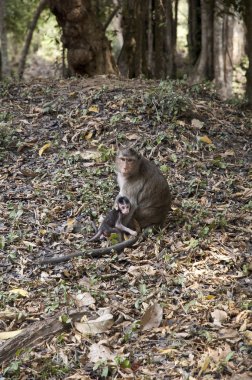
(123, 205)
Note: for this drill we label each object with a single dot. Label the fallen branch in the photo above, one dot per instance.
(35, 334)
(95, 253)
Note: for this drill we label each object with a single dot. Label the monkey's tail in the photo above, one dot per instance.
(95, 253)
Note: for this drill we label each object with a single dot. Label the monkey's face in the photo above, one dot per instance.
(127, 166)
(124, 208)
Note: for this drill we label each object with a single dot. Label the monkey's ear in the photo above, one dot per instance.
(116, 206)
(120, 146)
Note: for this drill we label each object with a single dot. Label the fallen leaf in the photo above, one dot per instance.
(88, 154)
(9, 334)
(83, 299)
(132, 136)
(94, 109)
(228, 334)
(100, 352)
(137, 271)
(197, 123)
(205, 139)
(152, 317)
(95, 326)
(219, 316)
(29, 243)
(20, 292)
(89, 135)
(204, 365)
(44, 148)
(248, 337)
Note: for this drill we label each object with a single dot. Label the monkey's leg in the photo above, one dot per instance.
(96, 236)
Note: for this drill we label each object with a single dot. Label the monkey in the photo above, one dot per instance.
(148, 192)
(113, 222)
(144, 185)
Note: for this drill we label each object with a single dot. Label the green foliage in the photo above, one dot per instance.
(163, 102)
(19, 16)
(13, 368)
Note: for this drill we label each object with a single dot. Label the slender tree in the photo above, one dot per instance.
(5, 69)
(203, 68)
(41, 6)
(223, 49)
(247, 19)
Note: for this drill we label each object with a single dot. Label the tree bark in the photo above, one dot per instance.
(42, 5)
(204, 66)
(35, 334)
(149, 39)
(223, 50)
(194, 30)
(88, 50)
(247, 19)
(5, 69)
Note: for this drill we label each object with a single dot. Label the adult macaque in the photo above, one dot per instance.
(113, 221)
(144, 185)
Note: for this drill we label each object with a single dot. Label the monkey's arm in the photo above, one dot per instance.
(104, 231)
(95, 253)
(121, 227)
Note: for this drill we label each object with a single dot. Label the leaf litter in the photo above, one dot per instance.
(179, 302)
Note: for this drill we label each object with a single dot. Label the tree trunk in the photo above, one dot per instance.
(248, 23)
(223, 50)
(5, 69)
(204, 66)
(194, 30)
(149, 39)
(42, 5)
(88, 50)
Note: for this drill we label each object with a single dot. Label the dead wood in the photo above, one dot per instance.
(36, 334)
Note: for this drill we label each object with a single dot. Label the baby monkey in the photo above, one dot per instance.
(113, 222)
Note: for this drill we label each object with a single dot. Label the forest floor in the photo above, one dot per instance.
(175, 306)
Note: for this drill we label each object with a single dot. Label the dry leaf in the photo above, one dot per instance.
(89, 135)
(9, 334)
(205, 139)
(132, 136)
(228, 334)
(95, 326)
(44, 148)
(248, 337)
(88, 154)
(152, 317)
(204, 365)
(137, 271)
(83, 299)
(93, 109)
(219, 316)
(197, 123)
(100, 352)
(20, 292)
(29, 243)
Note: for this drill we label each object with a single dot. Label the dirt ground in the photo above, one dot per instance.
(177, 305)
